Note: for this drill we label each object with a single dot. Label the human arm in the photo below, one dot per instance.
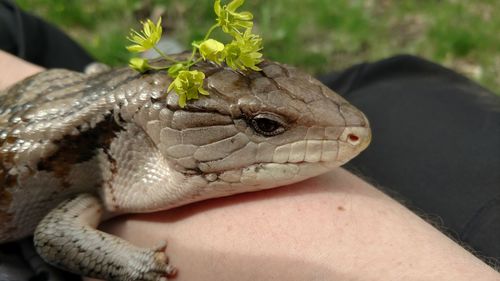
(15, 69)
(332, 227)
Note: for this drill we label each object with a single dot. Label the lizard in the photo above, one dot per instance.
(77, 149)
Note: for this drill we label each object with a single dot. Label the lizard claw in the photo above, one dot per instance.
(161, 258)
(171, 271)
(160, 246)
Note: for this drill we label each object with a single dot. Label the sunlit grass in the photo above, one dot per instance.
(316, 35)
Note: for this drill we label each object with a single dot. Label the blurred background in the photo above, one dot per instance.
(318, 36)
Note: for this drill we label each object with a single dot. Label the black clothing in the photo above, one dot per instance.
(36, 41)
(436, 143)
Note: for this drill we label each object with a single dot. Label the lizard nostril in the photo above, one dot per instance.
(353, 139)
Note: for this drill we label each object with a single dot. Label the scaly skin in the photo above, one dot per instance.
(77, 148)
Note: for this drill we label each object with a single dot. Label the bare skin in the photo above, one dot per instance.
(14, 69)
(332, 227)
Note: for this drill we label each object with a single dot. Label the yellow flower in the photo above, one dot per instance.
(212, 50)
(231, 21)
(147, 38)
(243, 52)
(187, 85)
(139, 64)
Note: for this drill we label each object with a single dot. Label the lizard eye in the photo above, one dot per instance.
(267, 124)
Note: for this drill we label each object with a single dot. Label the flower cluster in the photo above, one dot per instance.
(242, 53)
(187, 85)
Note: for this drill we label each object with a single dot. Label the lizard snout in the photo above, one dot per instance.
(359, 138)
(354, 139)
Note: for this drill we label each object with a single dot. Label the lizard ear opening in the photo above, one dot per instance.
(267, 124)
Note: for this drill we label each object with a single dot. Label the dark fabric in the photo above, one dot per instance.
(33, 40)
(38, 42)
(20, 262)
(436, 143)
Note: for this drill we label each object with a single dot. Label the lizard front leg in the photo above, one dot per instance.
(67, 238)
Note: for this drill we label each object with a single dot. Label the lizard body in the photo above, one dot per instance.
(77, 148)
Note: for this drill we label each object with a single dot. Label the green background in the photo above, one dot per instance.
(315, 35)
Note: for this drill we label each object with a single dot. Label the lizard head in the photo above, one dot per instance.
(259, 130)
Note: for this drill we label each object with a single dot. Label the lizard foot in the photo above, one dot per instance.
(159, 268)
(160, 253)
(67, 238)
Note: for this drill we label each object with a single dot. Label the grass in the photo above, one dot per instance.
(316, 35)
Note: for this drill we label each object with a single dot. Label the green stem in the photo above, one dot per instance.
(210, 31)
(159, 67)
(163, 55)
(193, 53)
(194, 62)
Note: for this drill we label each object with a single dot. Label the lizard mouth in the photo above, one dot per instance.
(268, 175)
(330, 154)
(323, 151)
(294, 162)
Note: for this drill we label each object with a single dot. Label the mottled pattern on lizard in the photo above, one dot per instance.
(77, 148)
